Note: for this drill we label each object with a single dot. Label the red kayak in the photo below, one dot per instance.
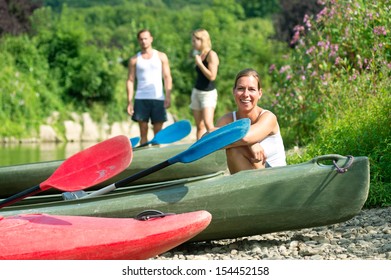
(48, 237)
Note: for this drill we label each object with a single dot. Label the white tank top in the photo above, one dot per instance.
(273, 147)
(149, 77)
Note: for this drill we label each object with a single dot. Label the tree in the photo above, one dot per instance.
(14, 15)
(292, 13)
(259, 8)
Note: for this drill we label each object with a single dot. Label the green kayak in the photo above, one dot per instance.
(326, 190)
(17, 178)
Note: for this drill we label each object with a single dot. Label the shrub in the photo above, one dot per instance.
(334, 95)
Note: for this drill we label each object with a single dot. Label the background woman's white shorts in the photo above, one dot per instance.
(203, 99)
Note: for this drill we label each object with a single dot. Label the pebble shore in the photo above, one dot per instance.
(366, 236)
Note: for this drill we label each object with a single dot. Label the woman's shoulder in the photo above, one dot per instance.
(266, 116)
(269, 118)
(267, 112)
(212, 55)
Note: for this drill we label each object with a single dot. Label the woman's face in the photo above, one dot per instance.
(247, 93)
(196, 42)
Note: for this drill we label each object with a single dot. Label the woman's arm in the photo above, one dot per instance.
(264, 126)
(213, 65)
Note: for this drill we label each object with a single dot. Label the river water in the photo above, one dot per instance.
(11, 154)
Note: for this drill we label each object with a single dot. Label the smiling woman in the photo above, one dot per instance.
(263, 145)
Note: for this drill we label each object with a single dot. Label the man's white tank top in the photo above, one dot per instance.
(149, 77)
(273, 147)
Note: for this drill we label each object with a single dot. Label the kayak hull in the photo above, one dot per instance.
(48, 237)
(247, 203)
(17, 178)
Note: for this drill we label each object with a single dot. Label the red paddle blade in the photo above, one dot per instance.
(91, 166)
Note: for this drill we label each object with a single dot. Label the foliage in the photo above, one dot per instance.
(57, 5)
(27, 96)
(291, 13)
(334, 51)
(363, 129)
(330, 92)
(85, 73)
(334, 96)
(260, 8)
(15, 15)
(83, 52)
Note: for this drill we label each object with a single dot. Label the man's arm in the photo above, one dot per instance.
(166, 78)
(130, 83)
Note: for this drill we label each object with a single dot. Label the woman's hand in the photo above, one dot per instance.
(198, 60)
(258, 154)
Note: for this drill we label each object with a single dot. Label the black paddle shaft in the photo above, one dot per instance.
(125, 182)
(20, 196)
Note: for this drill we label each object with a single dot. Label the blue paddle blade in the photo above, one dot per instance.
(214, 141)
(172, 133)
(134, 141)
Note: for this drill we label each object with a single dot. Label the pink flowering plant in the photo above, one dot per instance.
(345, 40)
(333, 93)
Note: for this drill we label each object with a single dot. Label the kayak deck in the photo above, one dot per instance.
(40, 236)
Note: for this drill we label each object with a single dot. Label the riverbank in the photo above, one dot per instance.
(81, 129)
(364, 237)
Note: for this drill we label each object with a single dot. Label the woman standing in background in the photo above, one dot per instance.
(204, 93)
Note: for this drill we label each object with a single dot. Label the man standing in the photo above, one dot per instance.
(149, 67)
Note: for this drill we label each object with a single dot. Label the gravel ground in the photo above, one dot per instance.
(364, 237)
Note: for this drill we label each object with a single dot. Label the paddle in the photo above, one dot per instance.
(134, 141)
(208, 144)
(84, 169)
(170, 134)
